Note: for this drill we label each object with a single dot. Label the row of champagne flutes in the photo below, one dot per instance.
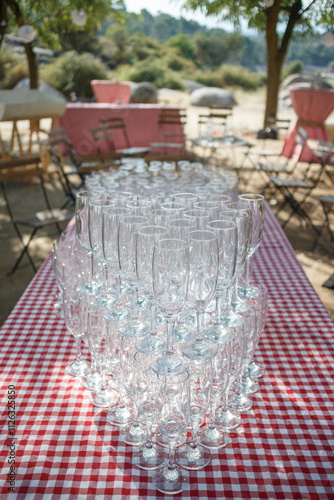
(179, 262)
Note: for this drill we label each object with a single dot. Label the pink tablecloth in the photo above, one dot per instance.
(312, 107)
(112, 92)
(64, 448)
(141, 123)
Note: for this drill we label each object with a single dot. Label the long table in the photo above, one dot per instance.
(141, 121)
(64, 448)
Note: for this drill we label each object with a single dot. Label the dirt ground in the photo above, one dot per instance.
(317, 262)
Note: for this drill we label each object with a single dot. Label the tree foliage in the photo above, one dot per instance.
(281, 22)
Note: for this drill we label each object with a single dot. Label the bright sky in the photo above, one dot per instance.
(174, 8)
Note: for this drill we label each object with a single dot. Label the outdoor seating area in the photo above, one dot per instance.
(99, 164)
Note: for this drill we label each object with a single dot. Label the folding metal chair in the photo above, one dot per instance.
(171, 139)
(327, 203)
(105, 131)
(24, 169)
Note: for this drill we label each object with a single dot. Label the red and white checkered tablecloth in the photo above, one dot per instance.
(283, 449)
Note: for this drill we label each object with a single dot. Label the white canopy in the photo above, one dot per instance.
(26, 104)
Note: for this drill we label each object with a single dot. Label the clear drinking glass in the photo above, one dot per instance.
(256, 202)
(149, 456)
(172, 417)
(147, 236)
(170, 289)
(193, 456)
(203, 274)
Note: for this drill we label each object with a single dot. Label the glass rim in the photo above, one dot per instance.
(204, 232)
(232, 224)
(181, 244)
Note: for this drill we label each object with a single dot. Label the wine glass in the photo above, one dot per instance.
(174, 208)
(186, 321)
(211, 206)
(203, 274)
(212, 436)
(260, 304)
(110, 223)
(256, 202)
(146, 238)
(172, 416)
(98, 340)
(72, 309)
(149, 456)
(226, 417)
(187, 198)
(240, 401)
(127, 241)
(170, 289)
(200, 216)
(243, 222)
(193, 456)
(82, 231)
(226, 231)
(96, 209)
(221, 198)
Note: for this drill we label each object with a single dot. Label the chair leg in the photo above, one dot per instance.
(24, 251)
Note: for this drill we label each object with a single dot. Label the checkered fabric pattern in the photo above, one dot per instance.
(283, 450)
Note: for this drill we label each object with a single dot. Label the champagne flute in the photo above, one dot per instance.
(170, 289)
(256, 203)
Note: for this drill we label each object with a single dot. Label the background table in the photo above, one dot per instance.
(283, 449)
(312, 106)
(141, 122)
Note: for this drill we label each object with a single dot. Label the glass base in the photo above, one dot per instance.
(199, 350)
(232, 320)
(240, 402)
(249, 386)
(152, 344)
(104, 399)
(193, 457)
(91, 288)
(218, 333)
(163, 441)
(169, 363)
(212, 437)
(120, 415)
(227, 419)
(77, 368)
(183, 333)
(149, 457)
(92, 381)
(171, 480)
(239, 305)
(118, 314)
(134, 329)
(248, 291)
(133, 434)
(256, 370)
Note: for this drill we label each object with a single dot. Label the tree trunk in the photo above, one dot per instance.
(276, 52)
(33, 65)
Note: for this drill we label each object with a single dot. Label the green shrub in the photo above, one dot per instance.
(14, 75)
(73, 72)
(8, 60)
(153, 71)
(237, 76)
(292, 68)
(210, 79)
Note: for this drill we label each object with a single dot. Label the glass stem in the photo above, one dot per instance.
(135, 314)
(213, 406)
(217, 308)
(118, 289)
(149, 443)
(78, 348)
(170, 328)
(153, 319)
(171, 459)
(199, 317)
(91, 258)
(193, 441)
